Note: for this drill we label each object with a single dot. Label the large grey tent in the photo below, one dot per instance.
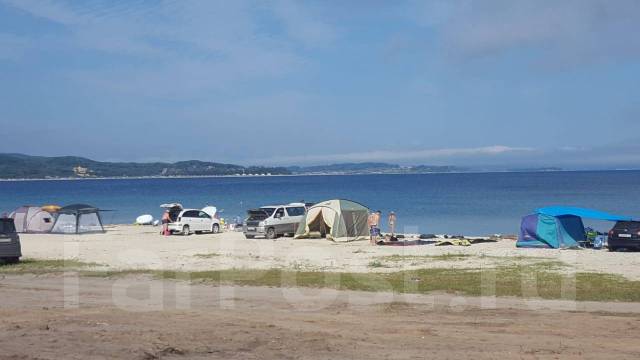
(337, 220)
(78, 219)
(32, 219)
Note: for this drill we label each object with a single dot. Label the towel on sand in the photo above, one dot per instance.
(405, 243)
(463, 242)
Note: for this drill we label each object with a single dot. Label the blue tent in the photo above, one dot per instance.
(558, 227)
(583, 213)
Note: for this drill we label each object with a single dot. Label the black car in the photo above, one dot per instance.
(10, 250)
(625, 234)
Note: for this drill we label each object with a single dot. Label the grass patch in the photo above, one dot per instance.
(425, 258)
(538, 280)
(376, 264)
(206, 256)
(32, 266)
(517, 281)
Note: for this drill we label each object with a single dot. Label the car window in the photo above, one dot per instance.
(268, 210)
(295, 211)
(190, 214)
(258, 214)
(628, 225)
(279, 212)
(7, 226)
(204, 215)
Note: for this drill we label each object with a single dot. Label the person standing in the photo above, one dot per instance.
(392, 223)
(166, 219)
(374, 222)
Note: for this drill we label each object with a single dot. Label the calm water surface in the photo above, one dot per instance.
(434, 203)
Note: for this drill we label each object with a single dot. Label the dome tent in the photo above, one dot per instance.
(337, 220)
(32, 219)
(559, 227)
(78, 219)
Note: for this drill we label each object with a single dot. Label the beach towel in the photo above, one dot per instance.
(454, 242)
(405, 243)
(463, 241)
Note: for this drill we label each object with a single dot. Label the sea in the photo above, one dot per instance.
(451, 203)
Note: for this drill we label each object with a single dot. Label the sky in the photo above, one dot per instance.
(468, 83)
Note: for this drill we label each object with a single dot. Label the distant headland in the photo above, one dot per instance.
(27, 167)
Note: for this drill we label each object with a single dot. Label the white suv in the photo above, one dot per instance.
(274, 221)
(193, 220)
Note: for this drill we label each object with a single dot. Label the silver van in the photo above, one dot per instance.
(273, 221)
(10, 249)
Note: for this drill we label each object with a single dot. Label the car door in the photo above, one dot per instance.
(294, 216)
(205, 221)
(191, 218)
(279, 221)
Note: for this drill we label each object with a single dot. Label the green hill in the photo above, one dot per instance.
(19, 166)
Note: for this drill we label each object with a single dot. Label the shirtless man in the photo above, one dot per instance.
(374, 230)
(392, 223)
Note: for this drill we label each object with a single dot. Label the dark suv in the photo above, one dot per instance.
(10, 250)
(625, 234)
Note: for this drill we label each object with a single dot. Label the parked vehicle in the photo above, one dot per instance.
(187, 221)
(273, 221)
(625, 234)
(174, 210)
(10, 249)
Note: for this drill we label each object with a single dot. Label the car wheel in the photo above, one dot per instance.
(271, 234)
(215, 229)
(186, 231)
(249, 236)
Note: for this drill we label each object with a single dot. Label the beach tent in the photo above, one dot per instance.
(558, 227)
(78, 219)
(337, 220)
(32, 219)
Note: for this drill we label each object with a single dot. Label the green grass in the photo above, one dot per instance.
(542, 279)
(32, 266)
(376, 264)
(443, 257)
(206, 256)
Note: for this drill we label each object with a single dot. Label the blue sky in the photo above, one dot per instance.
(492, 82)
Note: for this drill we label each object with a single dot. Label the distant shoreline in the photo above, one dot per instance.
(310, 174)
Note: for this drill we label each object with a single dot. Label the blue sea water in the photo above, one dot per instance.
(469, 203)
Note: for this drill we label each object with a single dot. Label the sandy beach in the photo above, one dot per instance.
(141, 247)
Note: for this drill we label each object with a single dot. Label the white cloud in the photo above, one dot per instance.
(400, 156)
(46, 9)
(175, 47)
(566, 31)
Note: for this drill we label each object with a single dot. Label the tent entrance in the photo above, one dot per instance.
(319, 225)
(336, 220)
(78, 219)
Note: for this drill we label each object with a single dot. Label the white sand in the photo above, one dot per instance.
(139, 247)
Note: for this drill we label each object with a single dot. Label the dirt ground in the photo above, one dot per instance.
(65, 317)
(142, 247)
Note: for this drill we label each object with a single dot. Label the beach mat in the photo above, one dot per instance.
(463, 242)
(405, 243)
